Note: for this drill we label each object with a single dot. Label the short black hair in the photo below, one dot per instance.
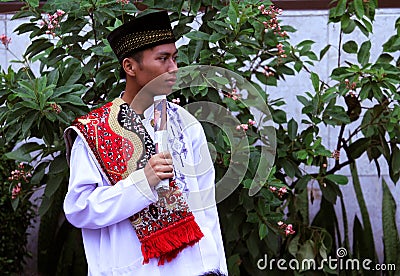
(138, 57)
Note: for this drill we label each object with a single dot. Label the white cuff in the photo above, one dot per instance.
(138, 178)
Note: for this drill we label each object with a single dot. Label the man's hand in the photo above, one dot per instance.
(158, 168)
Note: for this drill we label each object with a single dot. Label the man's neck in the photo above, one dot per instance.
(139, 102)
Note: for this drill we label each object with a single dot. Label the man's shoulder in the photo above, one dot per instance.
(93, 115)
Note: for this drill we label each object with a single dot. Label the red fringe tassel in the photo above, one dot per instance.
(167, 243)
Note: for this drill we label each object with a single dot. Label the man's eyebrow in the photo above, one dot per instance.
(166, 53)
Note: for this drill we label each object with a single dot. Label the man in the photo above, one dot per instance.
(128, 227)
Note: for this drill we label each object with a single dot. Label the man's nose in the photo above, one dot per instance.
(173, 66)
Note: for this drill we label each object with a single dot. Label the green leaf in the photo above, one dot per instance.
(338, 179)
(367, 24)
(233, 263)
(305, 44)
(252, 243)
(359, 7)
(39, 173)
(233, 13)
(298, 65)
(53, 183)
(215, 37)
(197, 35)
(263, 231)
(384, 58)
(279, 116)
(38, 46)
(345, 21)
(72, 74)
(392, 45)
(292, 129)
(289, 167)
(50, 212)
(28, 122)
(330, 191)
(58, 165)
(395, 160)
(306, 252)
(350, 47)
(324, 51)
(360, 146)
(350, 27)
(293, 247)
(340, 8)
(364, 53)
(315, 81)
(362, 28)
(368, 251)
(15, 203)
(22, 13)
(23, 152)
(302, 154)
(33, 3)
(219, 80)
(390, 233)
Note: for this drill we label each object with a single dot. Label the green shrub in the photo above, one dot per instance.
(17, 213)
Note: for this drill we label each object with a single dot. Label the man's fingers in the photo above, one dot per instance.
(164, 158)
(165, 155)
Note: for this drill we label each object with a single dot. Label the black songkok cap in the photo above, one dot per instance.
(141, 33)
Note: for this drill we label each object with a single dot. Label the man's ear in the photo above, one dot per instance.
(129, 66)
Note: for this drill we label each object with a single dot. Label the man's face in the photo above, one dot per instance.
(157, 61)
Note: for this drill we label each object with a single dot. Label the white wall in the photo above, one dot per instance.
(313, 25)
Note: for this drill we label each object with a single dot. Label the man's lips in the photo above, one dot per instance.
(171, 80)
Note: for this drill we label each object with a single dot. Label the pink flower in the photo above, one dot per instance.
(56, 108)
(123, 2)
(289, 230)
(252, 122)
(5, 40)
(268, 72)
(15, 191)
(282, 191)
(176, 101)
(233, 95)
(272, 22)
(52, 22)
(280, 47)
(242, 126)
(336, 154)
(272, 189)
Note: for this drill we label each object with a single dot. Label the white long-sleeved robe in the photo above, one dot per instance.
(102, 211)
